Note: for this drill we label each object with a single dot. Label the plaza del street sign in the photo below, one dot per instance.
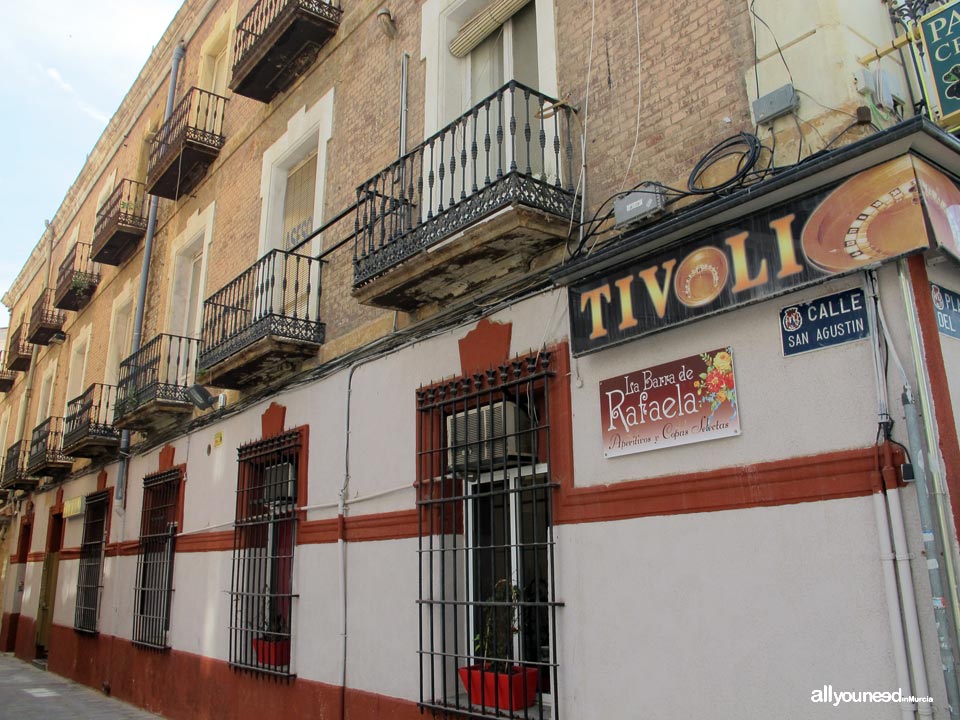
(946, 304)
(940, 31)
(824, 322)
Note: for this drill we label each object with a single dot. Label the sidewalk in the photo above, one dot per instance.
(27, 693)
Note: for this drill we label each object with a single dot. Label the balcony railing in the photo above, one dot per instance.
(121, 222)
(7, 377)
(20, 350)
(45, 320)
(186, 144)
(15, 475)
(277, 41)
(154, 381)
(278, 298)
(88, 426)
(77, 279)
(47, 458)
(513, 148)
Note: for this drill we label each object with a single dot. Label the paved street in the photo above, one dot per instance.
(27, 693)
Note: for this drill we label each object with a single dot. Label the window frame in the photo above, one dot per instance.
(153, 582)
(457, 475)
(92, 549)
(263, 564)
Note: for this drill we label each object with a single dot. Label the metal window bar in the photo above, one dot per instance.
(504, 150)
(487, 597)
(278, 295)
(162, 369)
(91, 562)
(126, 206)
(78, 271)
(257, 22)
(91, 414)
(154, 579)
(198, 117)
(261, 585)
(46, 442)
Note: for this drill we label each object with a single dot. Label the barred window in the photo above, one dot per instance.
(91, 561)
(487, 602)
(158, 531)
(261, 587)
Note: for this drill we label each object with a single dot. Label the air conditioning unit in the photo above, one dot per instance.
(279, 483)
(488, 436)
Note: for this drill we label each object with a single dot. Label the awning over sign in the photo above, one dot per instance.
(882, 213)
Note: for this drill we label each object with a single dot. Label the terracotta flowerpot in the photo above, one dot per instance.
(272, 652)
(514, 690)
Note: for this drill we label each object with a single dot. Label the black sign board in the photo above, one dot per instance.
(824, 322)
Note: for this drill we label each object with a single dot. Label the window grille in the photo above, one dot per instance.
(91, 561)
(158, 530)
(487, 600)
(261, 586)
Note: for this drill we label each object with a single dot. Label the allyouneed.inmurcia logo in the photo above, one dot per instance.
(827, 694)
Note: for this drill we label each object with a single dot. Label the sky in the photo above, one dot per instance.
(64, 68)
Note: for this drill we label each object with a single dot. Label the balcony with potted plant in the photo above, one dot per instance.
(152, 389)
(77, 279)
(121, 222)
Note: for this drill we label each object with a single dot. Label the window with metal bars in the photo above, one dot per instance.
(261, 586)
(154, 580)
(485, 493)
(91, 561)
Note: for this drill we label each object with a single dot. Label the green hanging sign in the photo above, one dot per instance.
(940, 30)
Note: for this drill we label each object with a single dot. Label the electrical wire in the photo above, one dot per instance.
(636, 137)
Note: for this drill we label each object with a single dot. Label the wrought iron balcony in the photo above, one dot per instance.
(152, 391)
(46, 458)
(488, 196)
(7, 377)
(19, 351)
(262, 322)
(186, 144)
(77, 279)
(121, 222)
(45, 320)
(277, 41)
(88, 428)
(15, 475)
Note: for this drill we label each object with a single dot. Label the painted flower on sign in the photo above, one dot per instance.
(716, 385)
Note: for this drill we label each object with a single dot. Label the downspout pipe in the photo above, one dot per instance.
(35, 353)
(178, 52)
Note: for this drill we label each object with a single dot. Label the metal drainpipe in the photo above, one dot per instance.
(35, 353)
(178, 52)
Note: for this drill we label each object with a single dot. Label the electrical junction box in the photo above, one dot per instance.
(639, 204)
(781, 101)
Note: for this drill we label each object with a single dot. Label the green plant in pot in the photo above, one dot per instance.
(496, 680)
(81, 284)
(272, 645)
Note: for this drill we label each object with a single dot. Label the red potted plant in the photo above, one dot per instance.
(495, 680)
(272, 646)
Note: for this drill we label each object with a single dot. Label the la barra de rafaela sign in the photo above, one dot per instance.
(680, 402)
(877, 215)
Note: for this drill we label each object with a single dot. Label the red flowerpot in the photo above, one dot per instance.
(514, 690)
(272, 652)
